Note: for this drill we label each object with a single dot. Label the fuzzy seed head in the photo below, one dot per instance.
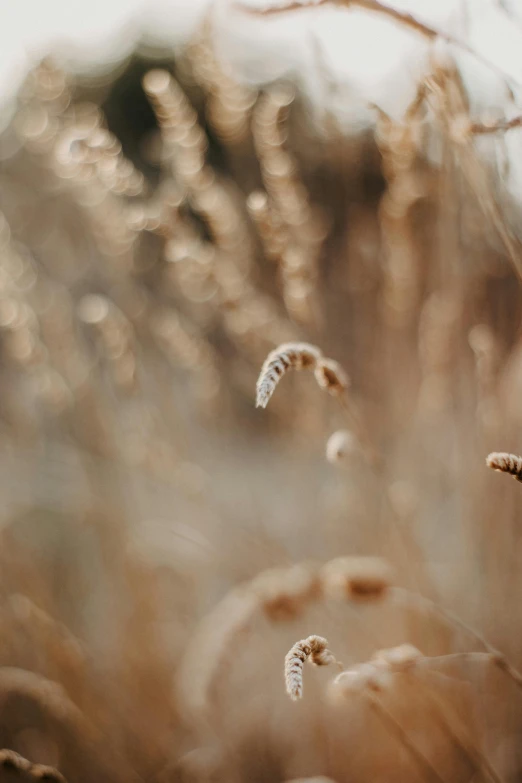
(289, 356)
(314, 648)
(506, 463)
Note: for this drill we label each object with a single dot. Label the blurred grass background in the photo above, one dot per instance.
(158, 238)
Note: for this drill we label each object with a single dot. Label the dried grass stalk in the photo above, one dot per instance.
(269, 225)
(228, 103)
(457, 730)
(315, 649)
(278, 594)
(395, 728)
(328, 373)
(452, 621)
(303, 226)
(368, 680)
(289, 356)
(505, 463)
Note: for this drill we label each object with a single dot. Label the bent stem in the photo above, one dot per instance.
(452, 621)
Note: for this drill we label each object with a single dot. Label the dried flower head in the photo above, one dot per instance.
(357, 578)
(341, 445)
(506, 463)
(330, 376)
(314, 648)
(295, 356)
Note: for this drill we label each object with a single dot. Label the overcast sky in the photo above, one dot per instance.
(373, 59)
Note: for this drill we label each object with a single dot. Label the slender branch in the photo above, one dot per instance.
(393, 13)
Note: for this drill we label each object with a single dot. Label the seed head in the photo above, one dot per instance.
(314, 648)
(506, 463)
(289, 356)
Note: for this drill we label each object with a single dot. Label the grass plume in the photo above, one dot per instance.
(313, 648)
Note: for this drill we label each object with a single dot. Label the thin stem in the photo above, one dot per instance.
(453, 621)
(395, 728)
(433, 661)
(453, 725)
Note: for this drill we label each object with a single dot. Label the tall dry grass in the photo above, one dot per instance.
(163, 544)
